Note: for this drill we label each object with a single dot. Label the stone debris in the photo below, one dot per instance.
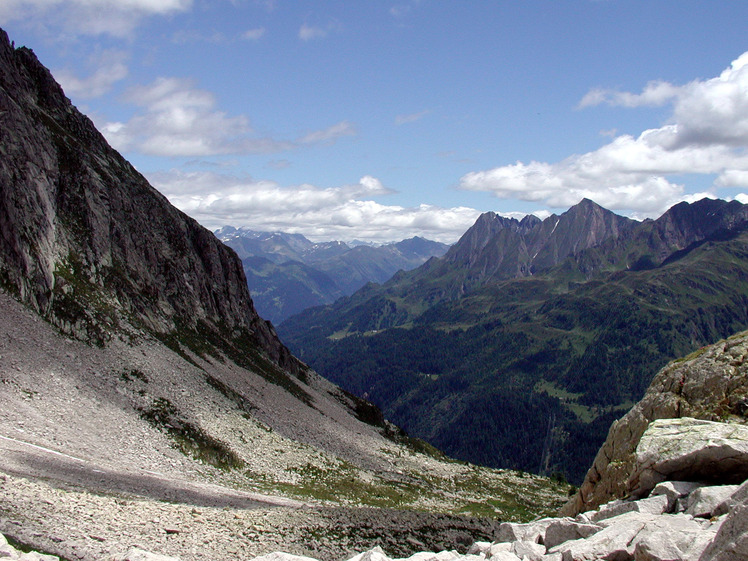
(628, 531)
(667, 521)
(7, 551)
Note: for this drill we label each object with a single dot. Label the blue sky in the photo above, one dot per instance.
(382, 120)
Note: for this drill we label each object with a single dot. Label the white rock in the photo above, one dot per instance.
(34, 556)
(661, 549)
(499, 548)
(505, 556)
(527, 532)
(705, 500)
(135, 554)
(479, 548)
(652, 505)
(565, 529)
(691, 449)
(375, 554)
(528, 551)
(675, 489)
(731, 542)
(739, 496)
(622, 534)
(447, 555)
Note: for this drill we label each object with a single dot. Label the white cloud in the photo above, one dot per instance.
(254, 34)
(330, 134)
(181, 120)
(732, 178)
(309, 32)
(411, 118)
(342, 213)
(110, 69)
(89, 17)
(178, 119)
(707, 134)
(654, 94)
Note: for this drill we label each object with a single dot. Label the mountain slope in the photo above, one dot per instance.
(131, 348)
(287, 273)
(709, 384)
(529, 371)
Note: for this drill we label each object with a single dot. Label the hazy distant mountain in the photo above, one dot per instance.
(288, 273)
(522, 344)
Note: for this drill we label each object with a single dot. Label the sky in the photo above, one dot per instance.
(384, 119)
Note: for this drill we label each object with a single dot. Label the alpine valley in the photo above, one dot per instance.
(287, 273)
(145, 402)
(149, 413)
(522, 344)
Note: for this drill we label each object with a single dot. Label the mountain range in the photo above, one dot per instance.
(528, 338)
(136, 371)
(146, 405)
(288, 273)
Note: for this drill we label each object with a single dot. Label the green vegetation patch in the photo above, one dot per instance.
(189, 438)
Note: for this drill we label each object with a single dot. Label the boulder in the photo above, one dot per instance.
(504, 556)
(652, 505)
(527, 532)
(662, 548)
(375, 554)
(611, 543)
(739, 496)
(480, 548)
(565, 529)
(675, 490)
(528, 551)
(653, 535)
(704, 501)
(731, 541)
(690, 449)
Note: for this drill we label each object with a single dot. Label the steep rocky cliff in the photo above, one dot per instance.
(89, 244)
(710, 384)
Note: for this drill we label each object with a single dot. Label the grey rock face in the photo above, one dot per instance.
(711, 384)
(565, 529)
(88, 243)
(703, 502)
(690, 449)
(731, 542)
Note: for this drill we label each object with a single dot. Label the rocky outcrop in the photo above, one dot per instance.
(634, 533)
(672, 521)
(89, 244)
(711, 384)
(690, 449)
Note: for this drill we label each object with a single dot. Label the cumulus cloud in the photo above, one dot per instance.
(344, 213)
(110, 68)
(178, 119)
(181, 120)
(654, 94)
(706, 134)
(89, 17)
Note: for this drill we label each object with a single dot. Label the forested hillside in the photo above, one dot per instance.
(529, 372)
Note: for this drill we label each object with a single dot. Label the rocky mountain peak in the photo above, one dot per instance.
(86, 240)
